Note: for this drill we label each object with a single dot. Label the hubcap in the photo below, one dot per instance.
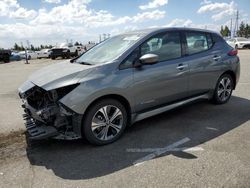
(224, 89)
(107, 122)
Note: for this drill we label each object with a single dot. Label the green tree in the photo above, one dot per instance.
(242, 29)
(16, 47)
(247, 31)
(22, 48)
(32, 47)
(225, 32)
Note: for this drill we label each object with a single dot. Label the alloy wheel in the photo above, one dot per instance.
(224, 89)
(107, 122)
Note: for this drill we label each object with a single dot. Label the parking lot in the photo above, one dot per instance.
(199, 145)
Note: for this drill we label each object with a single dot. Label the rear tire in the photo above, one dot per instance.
(68, 55)
(6, 58)
(223, 90)
(104, 122)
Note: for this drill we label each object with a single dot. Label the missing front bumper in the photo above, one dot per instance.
(39, 131)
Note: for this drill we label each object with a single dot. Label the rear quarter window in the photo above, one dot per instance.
(217, 38)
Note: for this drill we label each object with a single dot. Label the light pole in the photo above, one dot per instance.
(26, 58)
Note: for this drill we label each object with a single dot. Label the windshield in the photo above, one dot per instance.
(242, 39)
(109, 50)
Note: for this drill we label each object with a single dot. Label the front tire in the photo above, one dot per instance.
(224, 89)
(68, 55)
(76, 53)
(105, 122)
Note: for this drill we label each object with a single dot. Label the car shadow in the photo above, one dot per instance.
(200, 122)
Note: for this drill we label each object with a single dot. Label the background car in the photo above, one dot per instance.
(44, 53)
(15, 56)
(30, 54)
(64, 50)
(5, 55)
(80, 49)
(239, 43)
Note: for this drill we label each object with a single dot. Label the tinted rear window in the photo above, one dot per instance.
(217, 38)
(196, 42)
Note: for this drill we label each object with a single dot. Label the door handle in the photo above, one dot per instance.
(216, 58)
(181, 66)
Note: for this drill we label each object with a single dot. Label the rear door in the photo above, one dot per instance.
(163, 82)
(203, 60)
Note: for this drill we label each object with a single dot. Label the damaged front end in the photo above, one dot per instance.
(45, 116)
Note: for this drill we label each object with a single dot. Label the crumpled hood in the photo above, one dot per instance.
(59, 75)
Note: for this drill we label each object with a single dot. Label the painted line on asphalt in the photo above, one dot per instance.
(151, 150)
(160, 151)
(212, 128)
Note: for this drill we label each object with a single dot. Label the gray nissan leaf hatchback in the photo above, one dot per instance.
(125, 79)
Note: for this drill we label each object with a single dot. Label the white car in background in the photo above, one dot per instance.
(44, 53)
(30, 54)
(80, 49)
(239, 42)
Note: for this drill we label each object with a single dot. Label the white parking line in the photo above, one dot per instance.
(212, 128)
(160, 151)
(151, 150)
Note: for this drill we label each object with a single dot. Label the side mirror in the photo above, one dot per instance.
(148, 59)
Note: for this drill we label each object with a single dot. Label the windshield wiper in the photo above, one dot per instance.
(84, 63)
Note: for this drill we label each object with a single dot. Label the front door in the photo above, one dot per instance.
(164, 82)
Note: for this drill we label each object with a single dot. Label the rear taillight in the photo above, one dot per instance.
(233, 52)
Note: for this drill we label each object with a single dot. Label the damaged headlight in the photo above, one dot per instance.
(64, 110)
(59, 93)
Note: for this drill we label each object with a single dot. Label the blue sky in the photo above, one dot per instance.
(55, 21)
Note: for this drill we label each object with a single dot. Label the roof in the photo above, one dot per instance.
(162, 29)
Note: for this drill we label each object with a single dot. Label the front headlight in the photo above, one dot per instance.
(65, 50)
(59, 93)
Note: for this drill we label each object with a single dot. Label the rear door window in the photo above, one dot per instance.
(197, 42)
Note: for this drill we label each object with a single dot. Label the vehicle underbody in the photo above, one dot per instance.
(247, 46)
(46, 117)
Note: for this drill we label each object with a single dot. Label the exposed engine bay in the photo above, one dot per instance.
(46, 117)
